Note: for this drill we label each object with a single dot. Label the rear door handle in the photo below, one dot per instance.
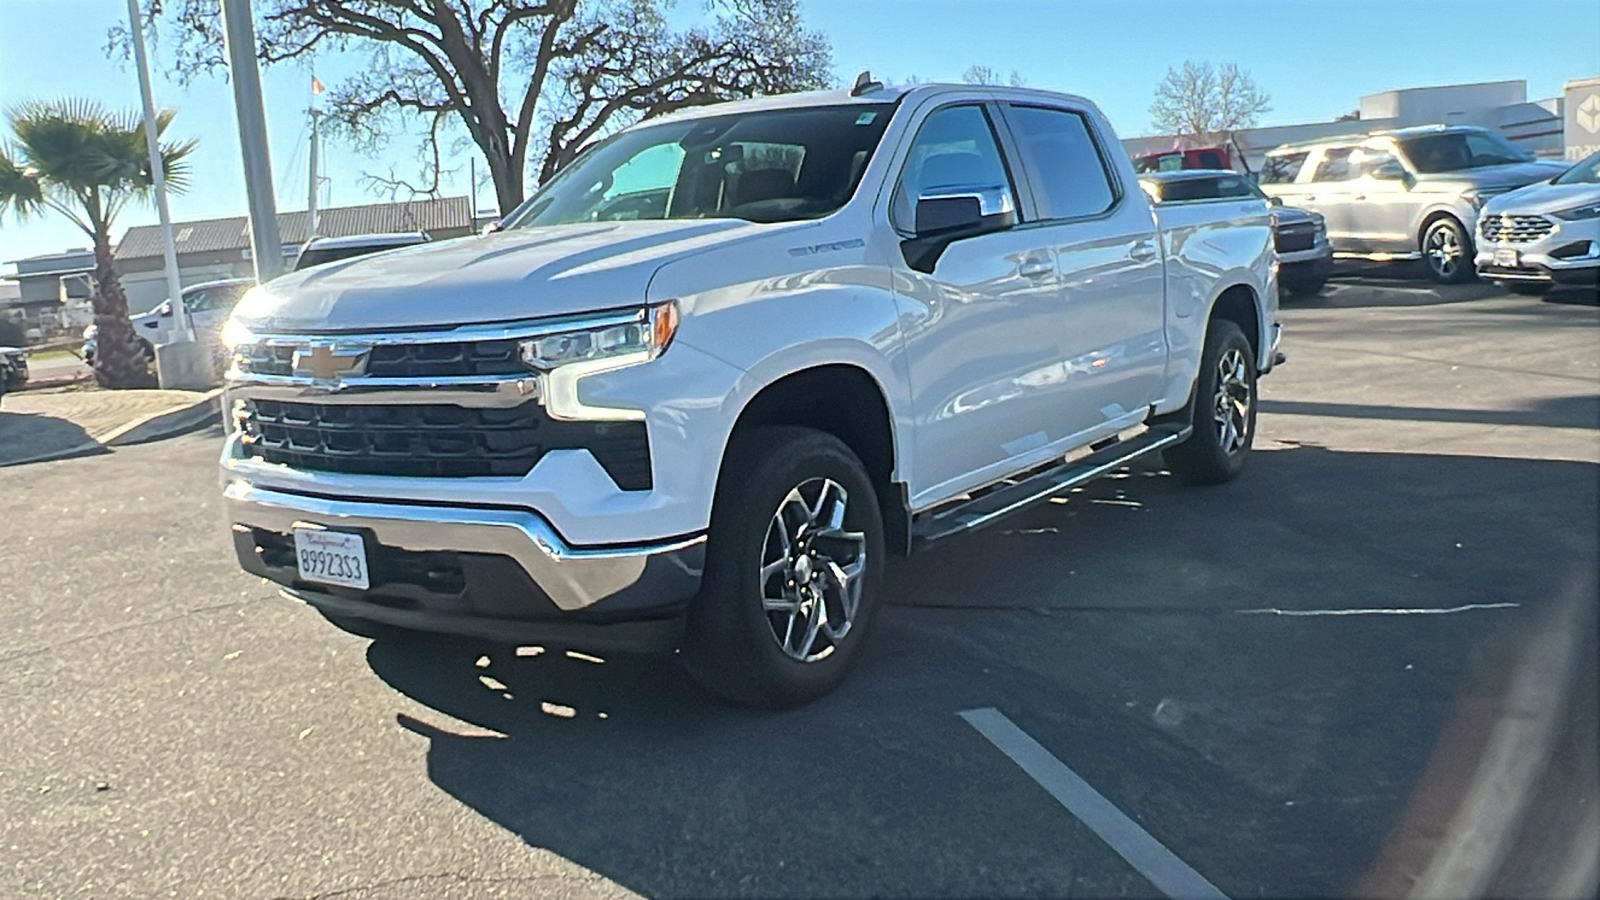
(1142, 252)
(1361, 196)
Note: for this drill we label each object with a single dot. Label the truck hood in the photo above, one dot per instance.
(1498, 177)
(517, 274)
(1541, 198)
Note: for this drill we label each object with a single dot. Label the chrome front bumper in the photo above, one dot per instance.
(574, 578)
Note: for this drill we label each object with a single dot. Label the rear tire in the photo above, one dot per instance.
(793, 567)
(1309, 287)
(1224, 410)
(1447, 251)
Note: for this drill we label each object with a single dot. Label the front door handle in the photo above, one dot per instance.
(1036, 268)
(1142, 252)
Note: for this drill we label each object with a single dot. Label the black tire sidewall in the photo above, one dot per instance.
(1200, 459)
(729, 645)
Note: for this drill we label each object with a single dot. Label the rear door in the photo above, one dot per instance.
(1109, 311)
(1331, 191)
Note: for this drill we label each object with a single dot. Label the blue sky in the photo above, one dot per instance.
(1315, 59)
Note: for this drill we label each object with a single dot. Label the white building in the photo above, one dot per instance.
(1534, 125)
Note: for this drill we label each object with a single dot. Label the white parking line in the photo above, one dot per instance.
(1171, 875)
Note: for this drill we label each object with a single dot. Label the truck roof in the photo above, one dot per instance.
(874, 96)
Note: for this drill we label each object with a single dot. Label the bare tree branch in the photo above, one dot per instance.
(1207, 103)
(517, 76)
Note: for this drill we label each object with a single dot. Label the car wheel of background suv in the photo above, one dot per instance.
(793, 566)
(1447, 251)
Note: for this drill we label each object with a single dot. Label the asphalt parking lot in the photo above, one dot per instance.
(1294, 683)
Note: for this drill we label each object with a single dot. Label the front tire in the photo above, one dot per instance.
(1447, 250)
(1527, 288)
(1224, 410)
(793, 568)
(1304, 287)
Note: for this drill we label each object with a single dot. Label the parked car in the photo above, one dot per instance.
(1219, 157)
(1414, 193)
(332, 249)
(861, 321)
(1544, 234)
(1305, 259)
(208, 304)
(13, 368)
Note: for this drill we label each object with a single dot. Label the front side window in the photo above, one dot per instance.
(1065, 166)
(1283, 168)
(955, 149)
(1375, 162)
(199, 301)
(774, 165)
(1452, 151)
(1335, 165)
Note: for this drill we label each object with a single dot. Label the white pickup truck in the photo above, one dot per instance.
(711, 373)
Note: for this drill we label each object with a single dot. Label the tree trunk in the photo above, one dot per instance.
(119, 359)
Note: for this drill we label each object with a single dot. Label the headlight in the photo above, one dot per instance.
(1579, 212)
(235, 334)
(644, 333)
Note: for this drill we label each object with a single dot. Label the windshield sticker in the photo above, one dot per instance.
(866, 118)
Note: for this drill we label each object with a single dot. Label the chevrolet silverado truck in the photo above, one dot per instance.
(712, 372)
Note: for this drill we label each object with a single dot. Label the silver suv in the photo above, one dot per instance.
(1414, 193)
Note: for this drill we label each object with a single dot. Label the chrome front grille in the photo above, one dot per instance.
(1512, 229)
(453, 359)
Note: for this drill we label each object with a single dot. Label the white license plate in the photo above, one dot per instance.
(331, 557)
(1507, 257)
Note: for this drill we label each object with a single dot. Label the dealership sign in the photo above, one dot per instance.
(1582, 104)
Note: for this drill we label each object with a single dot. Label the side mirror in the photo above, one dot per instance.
(1274, 201)
(947, 215)
(492, 227)
(166, 310)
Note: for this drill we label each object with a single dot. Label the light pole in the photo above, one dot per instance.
(239, 34)
(158, 176)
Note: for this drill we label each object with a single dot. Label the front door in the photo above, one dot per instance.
(980, 328)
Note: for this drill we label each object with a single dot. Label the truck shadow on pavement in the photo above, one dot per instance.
(1134, 629)
(27, 437)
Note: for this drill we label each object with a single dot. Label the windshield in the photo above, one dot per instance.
(772, 166)
(1587, 171)
(1452, 151)
(1186, 190)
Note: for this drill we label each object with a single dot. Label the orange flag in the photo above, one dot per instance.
(316, 86)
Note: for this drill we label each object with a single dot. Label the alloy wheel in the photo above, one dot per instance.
(811, 569)
(1444, 250)
(1231, 404)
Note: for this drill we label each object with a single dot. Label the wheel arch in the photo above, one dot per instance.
(846, 401)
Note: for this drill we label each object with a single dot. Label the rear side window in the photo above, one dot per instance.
(1335, 165)
(1284, 168)
(1067, 169)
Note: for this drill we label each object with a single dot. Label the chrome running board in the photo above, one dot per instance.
(991, 505)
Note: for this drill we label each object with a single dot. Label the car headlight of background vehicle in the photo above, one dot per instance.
(1590, 211)
(643, 333)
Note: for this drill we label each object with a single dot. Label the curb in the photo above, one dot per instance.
(169, 423)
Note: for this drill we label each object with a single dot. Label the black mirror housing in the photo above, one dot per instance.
(944, 219)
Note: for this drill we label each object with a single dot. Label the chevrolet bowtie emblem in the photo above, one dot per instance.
(325, 362)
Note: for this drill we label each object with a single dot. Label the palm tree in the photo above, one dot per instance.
(74, 157)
